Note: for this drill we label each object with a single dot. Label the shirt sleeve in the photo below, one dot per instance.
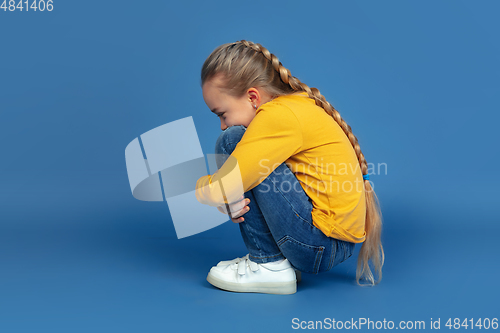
(272, 137)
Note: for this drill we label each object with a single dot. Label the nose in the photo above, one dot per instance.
(223, 125)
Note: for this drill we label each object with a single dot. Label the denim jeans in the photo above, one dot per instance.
(279, 223)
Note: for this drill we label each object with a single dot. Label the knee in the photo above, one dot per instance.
(227, 140)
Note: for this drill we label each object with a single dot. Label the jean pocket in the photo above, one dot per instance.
(304, 257)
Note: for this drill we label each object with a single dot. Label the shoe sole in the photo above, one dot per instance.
(280, 288)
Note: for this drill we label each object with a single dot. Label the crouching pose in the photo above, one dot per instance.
(307, 196)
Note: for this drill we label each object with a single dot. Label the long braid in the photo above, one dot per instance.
(372, 248)
(313, 93)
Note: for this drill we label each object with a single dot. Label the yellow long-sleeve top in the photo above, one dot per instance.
(293, 129)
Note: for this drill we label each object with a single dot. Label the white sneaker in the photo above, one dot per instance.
(298, 274)
(244, 275)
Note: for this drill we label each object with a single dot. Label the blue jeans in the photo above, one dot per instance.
(279, 223)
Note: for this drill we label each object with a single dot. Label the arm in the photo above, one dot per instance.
(271, 138)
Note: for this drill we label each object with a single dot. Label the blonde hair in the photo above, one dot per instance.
(245, 64)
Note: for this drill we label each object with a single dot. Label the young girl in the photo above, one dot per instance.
(307, 199)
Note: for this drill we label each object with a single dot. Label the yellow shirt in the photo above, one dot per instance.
(293, 129)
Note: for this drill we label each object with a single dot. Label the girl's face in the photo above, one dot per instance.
(231, 110)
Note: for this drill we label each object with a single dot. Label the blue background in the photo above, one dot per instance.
(418, 81)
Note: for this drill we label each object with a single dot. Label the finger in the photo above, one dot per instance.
(237, 200)
(238, 220)
(236, 209)
(239, 206)
(234, 206)
(241, 212)
(225, 208)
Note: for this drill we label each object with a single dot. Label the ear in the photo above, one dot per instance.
(254, 96)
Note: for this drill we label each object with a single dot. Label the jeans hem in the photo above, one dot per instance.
(265, 259)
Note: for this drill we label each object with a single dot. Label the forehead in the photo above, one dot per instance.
(211, 91)
(209, 88)
(214, 83)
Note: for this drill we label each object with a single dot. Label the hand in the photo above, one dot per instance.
(237, 209)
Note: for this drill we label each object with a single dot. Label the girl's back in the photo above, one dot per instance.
(321, 157)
